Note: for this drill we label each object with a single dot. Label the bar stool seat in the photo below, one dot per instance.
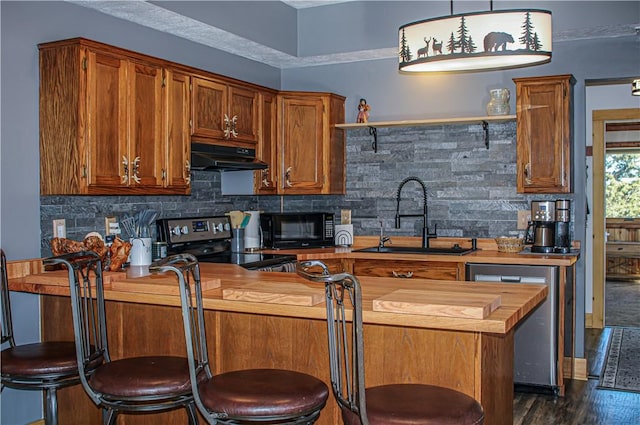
(417, 404)
(138, 377)
(44, 358)
(263, 392)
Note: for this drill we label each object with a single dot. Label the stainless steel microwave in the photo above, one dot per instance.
(297, 230)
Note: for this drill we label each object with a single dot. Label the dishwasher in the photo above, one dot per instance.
(535, 357)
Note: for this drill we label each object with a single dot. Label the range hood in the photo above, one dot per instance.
(215, 157)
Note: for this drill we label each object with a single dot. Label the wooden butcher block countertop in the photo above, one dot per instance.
(287, 294)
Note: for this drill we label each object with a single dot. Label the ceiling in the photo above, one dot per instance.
(303, 4)
(156, 17)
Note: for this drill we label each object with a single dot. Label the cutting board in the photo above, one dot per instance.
(162, 284)
(275, 293)
(61, 278)
(438, 303)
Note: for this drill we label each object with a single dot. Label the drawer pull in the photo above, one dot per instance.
(402, 275)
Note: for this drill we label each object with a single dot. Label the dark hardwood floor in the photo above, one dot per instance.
(583, 403)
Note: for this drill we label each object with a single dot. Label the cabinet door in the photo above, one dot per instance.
(301, 145)
(543, 135)
(266, 180)
(243, 113)
(209, 106)
(407, 269)
(146, 145)
(178, 169)
(106, 134)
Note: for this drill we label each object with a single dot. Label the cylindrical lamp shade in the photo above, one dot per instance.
(476, 41)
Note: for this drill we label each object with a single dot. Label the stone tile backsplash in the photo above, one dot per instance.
(471, 190)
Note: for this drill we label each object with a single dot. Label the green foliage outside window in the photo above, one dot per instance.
(622, 180)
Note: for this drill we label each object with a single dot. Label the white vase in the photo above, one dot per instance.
(499, 102)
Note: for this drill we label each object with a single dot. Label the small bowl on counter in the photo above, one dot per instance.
(510, 244)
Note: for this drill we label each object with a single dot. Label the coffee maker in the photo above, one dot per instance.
(542, 228)
(548, 230)
(562, 243)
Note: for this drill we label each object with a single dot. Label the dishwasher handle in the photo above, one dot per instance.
(511, 279)
(540, 280)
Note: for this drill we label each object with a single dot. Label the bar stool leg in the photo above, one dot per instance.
(192, 414)
(51, 407)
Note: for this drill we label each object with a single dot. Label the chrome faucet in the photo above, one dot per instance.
(426, 233)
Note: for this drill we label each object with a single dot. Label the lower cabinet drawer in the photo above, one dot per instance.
(407, 269)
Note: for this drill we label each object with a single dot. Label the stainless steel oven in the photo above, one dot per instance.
(209, 239)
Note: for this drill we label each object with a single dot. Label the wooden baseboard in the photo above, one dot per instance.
(588, 320)
(38, 422)
(579, 369)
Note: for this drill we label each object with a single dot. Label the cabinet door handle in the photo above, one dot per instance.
(164, 174)
(527, 173)
(234, 122)
(136, 167)
(125, 170)
(230, 126)
(227, 126)
(187, 172)
(287, 177)
(265, 178)
(402, 275)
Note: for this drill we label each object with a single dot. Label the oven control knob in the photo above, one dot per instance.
(220, 227)
(176, 231)
(227, 227)
(184, 230)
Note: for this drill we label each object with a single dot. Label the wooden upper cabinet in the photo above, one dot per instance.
(178, 106)
(106, 109)
(544, 133)
(266, 181)
(106, 125)
(311, 150)
(225, 112)
(146, 154)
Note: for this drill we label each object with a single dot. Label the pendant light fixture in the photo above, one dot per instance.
(476, 41)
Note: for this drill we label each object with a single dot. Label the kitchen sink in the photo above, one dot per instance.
(454, 250)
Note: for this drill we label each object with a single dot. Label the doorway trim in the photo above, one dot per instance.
(599, 119)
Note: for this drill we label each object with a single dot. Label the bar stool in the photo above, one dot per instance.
(42, 366)
(393, 404)
(148, 384)
(250, 396)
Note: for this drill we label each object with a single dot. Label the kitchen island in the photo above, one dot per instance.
(453, 267)
(474, 356)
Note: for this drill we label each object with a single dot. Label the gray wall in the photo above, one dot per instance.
(353, 25)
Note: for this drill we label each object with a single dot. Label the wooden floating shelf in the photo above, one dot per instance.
(424, 122)
(373, 126)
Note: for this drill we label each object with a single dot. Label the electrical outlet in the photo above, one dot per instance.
(110, 225)
(59, 228)
(524, 217)
(345, 216)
